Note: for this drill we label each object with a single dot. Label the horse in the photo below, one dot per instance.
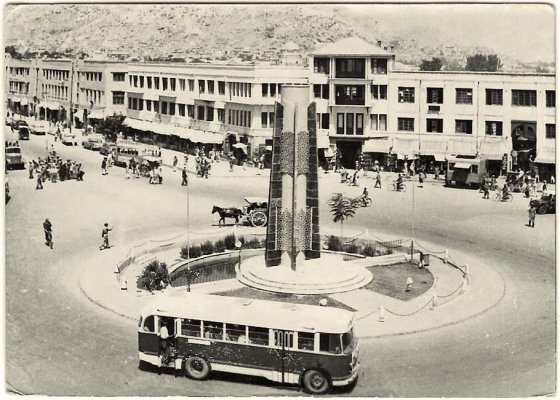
(228, 212)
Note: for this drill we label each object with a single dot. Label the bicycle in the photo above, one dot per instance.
(393, 187)
(500, 197)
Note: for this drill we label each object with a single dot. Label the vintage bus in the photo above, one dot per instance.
(311, 346)
(125, 150)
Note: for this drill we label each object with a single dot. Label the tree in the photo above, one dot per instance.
(13, 52)
(154, 277)
(341, 208)
(481, 62)
(434, 65)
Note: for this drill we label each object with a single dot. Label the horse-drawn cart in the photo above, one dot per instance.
(254, 213)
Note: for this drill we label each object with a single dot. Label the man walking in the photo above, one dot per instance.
(47, 228)
(105, 236)
(377, 181)
(185, 181)
(175, 161)
(39, 181)
(532, 216)
(104, 166)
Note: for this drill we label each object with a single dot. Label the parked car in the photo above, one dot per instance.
(39, 127)
(93, 142)
(23, 133)
(546, 204)
(14, 158)
(69, 138)
(107, 148)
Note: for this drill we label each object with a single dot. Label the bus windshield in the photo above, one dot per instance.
(13, 150)
(348, 341)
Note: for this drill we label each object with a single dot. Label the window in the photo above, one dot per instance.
(551, 131)
(209, 113)
(379, 65)
(406, 95)
(317, 91)
(463, 126)
(163, 83)
(130, 103)
(494, 128)
(329, 342)
(172, 83)
(213, 330)
(164, 107)
(321, 91)
(494, 97)
(306, 341)
(149, 324)
(379, 92)
(118, 76)
(321, 65)
(434, 96)
(273, 90)
(474, 169)
(463, 96)
(374, 122)
(210, 87)
(324, 121)
(190, 111)
(350, 95)
(551, 98)
(258, 335)
(382, 122)
(236, 333)
(349, 124)
(405, 124)
(156, 82)
(524, 98)
(340, 124)
(156, 106)
(182, 85)
(118, 97)
(434, 125)
(221, 115)
(200, 112)
(141, 81)
(221, 87)
(148, 105)
(134, 103)
(191, 327)
(264, 120)
(264, 88)
(135, 80)
(359, 124)
(181, 110)
(191, 85)
(149, 82)
(350, 67)
(171, 108)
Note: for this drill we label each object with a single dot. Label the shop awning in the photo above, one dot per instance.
(16, 99)
(462, 145)
(52, 105)
(405, 145)
(402, 156)
(322, 142)
(205, 137)
(24, 101)
(439, 157)
(493, 149)
(96, 114)
(462, 165)
(376, 146)
(432, 146)
(546, 155)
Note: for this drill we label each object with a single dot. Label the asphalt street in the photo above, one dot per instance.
(59, 343)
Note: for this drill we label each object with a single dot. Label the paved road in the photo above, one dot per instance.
(58, 343)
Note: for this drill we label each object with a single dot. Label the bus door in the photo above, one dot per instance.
(284, 343)
(148, 339)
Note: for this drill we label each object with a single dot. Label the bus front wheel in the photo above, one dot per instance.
(197, 368)
(316, 382)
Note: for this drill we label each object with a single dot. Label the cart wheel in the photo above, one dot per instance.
(258, 218)
(542, 209)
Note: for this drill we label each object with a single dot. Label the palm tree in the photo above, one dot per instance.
(342, 208)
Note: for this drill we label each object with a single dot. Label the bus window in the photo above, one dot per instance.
(191, 327)
(306, 341)
(284, 339)
(149, 325)
(213, 330)
(236, 333)
(258, 335)
(348, 341)
(329, 342)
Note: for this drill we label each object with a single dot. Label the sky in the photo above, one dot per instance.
(522, 31)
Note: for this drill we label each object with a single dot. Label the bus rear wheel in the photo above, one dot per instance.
(315, 382)
(197, 368)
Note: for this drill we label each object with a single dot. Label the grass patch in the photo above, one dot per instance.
(312, 299)
(390, 280)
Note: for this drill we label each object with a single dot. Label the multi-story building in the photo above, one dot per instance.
(53, 97)
(20, 85)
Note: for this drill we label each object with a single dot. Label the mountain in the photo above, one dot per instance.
(214, 31)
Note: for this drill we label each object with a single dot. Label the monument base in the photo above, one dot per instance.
(328, 274)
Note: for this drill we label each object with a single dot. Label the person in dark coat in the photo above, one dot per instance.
(185, 181)
(47, 228)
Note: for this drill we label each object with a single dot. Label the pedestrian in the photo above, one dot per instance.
(552, 180)
(532, 216)
(231, 159)
(421, 179)
(105, 235)
(377, 180)
(47, 228)
(104, 166)
(160, 175)
(544, 188)
(486, 189)
(175, 161)
(436, 173)
(30, 169)
(127, 171)
(185, 181)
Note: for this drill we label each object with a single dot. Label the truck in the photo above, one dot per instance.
(14, 158)
(465, 172)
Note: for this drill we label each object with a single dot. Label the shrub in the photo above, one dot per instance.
(154, 277)
(252, 244)
(207, 248)
(351, 248)
(369, 250)
(334, 244)
(184, 252)
(229, 241)
(195, 251)
(219, 246)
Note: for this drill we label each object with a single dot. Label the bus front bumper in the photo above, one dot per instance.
(349, 380)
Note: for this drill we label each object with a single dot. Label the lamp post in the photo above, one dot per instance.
(188, 242)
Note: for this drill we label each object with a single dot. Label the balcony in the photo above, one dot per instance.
(350, 68)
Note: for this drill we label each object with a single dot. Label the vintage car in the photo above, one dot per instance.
(108, 148)
(39, 127)
(14, 158)
(69, 138)
(23, 133)
(546, 204)
(93, 142)
(256, 212)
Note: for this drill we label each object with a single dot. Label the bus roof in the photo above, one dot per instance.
(252, 312)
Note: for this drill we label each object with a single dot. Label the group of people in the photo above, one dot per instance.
(53, 168)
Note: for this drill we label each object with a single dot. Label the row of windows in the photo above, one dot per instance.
(239, 118)
(267, 119)
(323, 120)
(525, 98)
(19, 87)
(349, 66)
(56, 74)
(54, 91)
(349, 124)
(118, 76)
(203, 113)
(19, 71)
(240, 89)
(93, 96)
(91, 76)
(271, 89)
(118, 97)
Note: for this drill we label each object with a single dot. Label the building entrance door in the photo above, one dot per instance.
(524, 144)
(349, 151)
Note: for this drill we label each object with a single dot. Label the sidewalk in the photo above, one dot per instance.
(377, 315)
